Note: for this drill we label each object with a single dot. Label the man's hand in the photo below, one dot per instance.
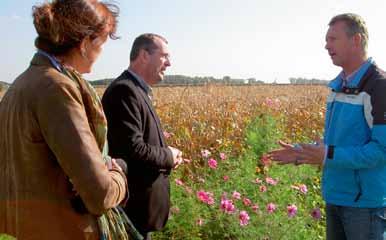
(284, 155)
(299, 153)
(311, 153)
(177, 157)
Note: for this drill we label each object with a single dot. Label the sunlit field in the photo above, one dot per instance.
(227, 188)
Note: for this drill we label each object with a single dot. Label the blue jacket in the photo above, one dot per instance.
(354, 172)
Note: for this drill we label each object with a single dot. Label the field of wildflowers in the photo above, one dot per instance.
(228, 189)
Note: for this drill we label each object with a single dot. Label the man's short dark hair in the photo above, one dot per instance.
(354, 24)
(146, 42)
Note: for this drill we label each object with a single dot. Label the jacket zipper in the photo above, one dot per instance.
(356, 175)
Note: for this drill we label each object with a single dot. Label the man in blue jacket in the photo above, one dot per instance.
(353, 153)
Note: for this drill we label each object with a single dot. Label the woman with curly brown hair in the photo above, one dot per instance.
(54, 179)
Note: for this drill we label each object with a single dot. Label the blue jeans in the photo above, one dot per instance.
(348, 223)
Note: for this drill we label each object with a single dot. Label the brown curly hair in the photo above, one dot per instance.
(61, 25)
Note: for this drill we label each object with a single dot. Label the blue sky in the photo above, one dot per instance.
(267, 40)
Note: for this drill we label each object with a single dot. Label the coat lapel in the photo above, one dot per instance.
(150, 107)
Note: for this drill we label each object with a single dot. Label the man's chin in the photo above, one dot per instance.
(336, 63)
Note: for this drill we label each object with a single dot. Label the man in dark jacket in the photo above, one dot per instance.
(135, 134)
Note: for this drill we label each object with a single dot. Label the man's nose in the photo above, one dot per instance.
(167, 63)
(327, 46)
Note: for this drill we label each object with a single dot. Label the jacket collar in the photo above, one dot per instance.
(354, 80)
(53, 60)
(40, 60)
(139, 80)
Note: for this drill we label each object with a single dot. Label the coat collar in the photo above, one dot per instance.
(140, 81)
(149, 103)
(40, 60)
(355, 80)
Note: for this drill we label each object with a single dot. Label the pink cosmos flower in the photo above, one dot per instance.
(179, 182)
(258, 181)
(210, 200)
(227, 206)
(272, 103)
(265, 160)
(255, 207)
(205, 197)
(268, 102)
(199, 222)
(236, 195)
(244, 218)
(226, 178)
(205, 153)
(212, 163)
(303, 188)
(263, 188)
(316, 214)
(223, 156)
(292, 210)
(271, 207)
(247, 201)
(167, 135)
(202, 195)
(271, 181)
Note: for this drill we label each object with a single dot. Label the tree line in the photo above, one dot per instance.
(187, 80)
(300, 80)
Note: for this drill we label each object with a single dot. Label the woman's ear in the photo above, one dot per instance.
(83, 46)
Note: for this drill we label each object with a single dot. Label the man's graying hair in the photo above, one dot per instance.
(354, 24)
(146, 42)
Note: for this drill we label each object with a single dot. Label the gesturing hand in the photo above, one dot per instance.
(299, 153)
(311, 153)
(285, 155)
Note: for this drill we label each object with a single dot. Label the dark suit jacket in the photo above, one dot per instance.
(135, 135)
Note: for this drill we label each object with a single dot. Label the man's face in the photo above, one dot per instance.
(158, 62)
(340, 47)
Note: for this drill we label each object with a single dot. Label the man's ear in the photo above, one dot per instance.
(143, 55)
(357, 38)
